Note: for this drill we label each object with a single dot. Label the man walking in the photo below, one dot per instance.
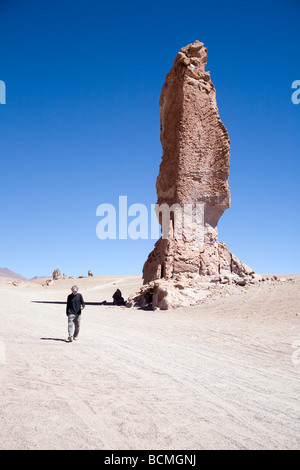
(75, 304)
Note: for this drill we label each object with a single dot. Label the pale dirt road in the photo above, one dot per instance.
(222, 375)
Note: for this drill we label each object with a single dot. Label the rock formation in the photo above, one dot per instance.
(56, 274)
(117, 298)
(192, 180)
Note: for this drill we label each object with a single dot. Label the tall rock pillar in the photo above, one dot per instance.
(193, 173)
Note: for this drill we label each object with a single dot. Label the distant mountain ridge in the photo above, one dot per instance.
(38, 277)
(5, 272)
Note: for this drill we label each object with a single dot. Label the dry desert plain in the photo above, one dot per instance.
(220, 375)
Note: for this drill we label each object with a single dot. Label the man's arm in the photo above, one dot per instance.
(82, 302)
(67, 306)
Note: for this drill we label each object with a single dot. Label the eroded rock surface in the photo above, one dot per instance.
(193, 173)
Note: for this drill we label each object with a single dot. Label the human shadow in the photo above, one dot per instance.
(104, 302)
(55, 339)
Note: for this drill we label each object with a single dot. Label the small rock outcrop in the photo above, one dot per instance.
(165, 294)
(117, 298)
(56, 274)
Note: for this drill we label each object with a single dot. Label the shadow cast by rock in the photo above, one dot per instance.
(65, 303)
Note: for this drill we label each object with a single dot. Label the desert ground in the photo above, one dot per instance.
(220, 375)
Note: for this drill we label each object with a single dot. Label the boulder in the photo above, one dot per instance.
(117, 298)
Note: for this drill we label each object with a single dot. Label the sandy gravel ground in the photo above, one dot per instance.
(222, 375)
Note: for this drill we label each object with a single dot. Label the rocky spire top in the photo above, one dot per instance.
(194, 57)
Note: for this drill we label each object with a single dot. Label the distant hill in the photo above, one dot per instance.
(5, 272)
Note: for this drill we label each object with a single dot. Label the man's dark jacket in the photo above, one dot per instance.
(74, 302)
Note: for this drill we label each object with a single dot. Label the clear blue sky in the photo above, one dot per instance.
(81, 125)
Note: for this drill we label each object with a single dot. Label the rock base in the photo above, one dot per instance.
(189, 290)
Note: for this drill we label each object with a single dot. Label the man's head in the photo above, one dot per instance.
(74, 289)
